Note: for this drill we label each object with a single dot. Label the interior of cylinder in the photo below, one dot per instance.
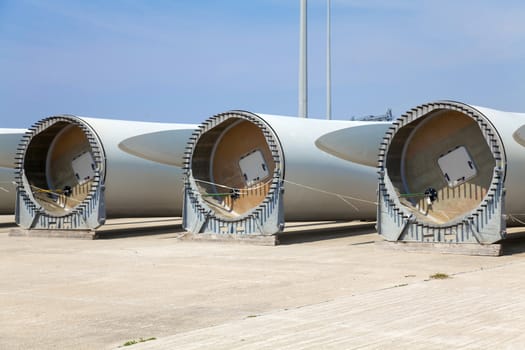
(233, 166)
(59, 167)
(444, 151)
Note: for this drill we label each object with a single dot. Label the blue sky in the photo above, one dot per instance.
(184, 61)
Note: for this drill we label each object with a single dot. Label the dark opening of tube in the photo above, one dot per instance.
(233, 166)
(447, 152)
(59, 167)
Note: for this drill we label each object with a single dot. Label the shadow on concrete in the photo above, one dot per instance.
(514, 243)
(118, 233)
(7, 224)
(133, 221)
(314, 234)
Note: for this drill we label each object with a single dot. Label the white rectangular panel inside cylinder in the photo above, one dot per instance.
(253, 167)
(457, 166)
(84, 167)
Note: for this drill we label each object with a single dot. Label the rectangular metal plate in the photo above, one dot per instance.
(457, 166)
(83, 167)
(253, 167)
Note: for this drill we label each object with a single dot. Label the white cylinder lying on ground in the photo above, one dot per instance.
(452, 172)
(7, 191)
(246, 173)
(9, 139)
(73, 172)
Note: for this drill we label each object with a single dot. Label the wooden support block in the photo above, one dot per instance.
(77, 234)
(444, 248)
(269, 240)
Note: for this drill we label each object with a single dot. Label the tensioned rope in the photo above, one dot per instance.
(6, 182)
(513, 217)
(238, 190)
(56, 192)
(344, 198)
(340, 196)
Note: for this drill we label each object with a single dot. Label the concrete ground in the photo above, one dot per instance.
(327, 286)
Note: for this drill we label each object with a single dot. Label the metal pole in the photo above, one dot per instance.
(303, 77)
(328, 64)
